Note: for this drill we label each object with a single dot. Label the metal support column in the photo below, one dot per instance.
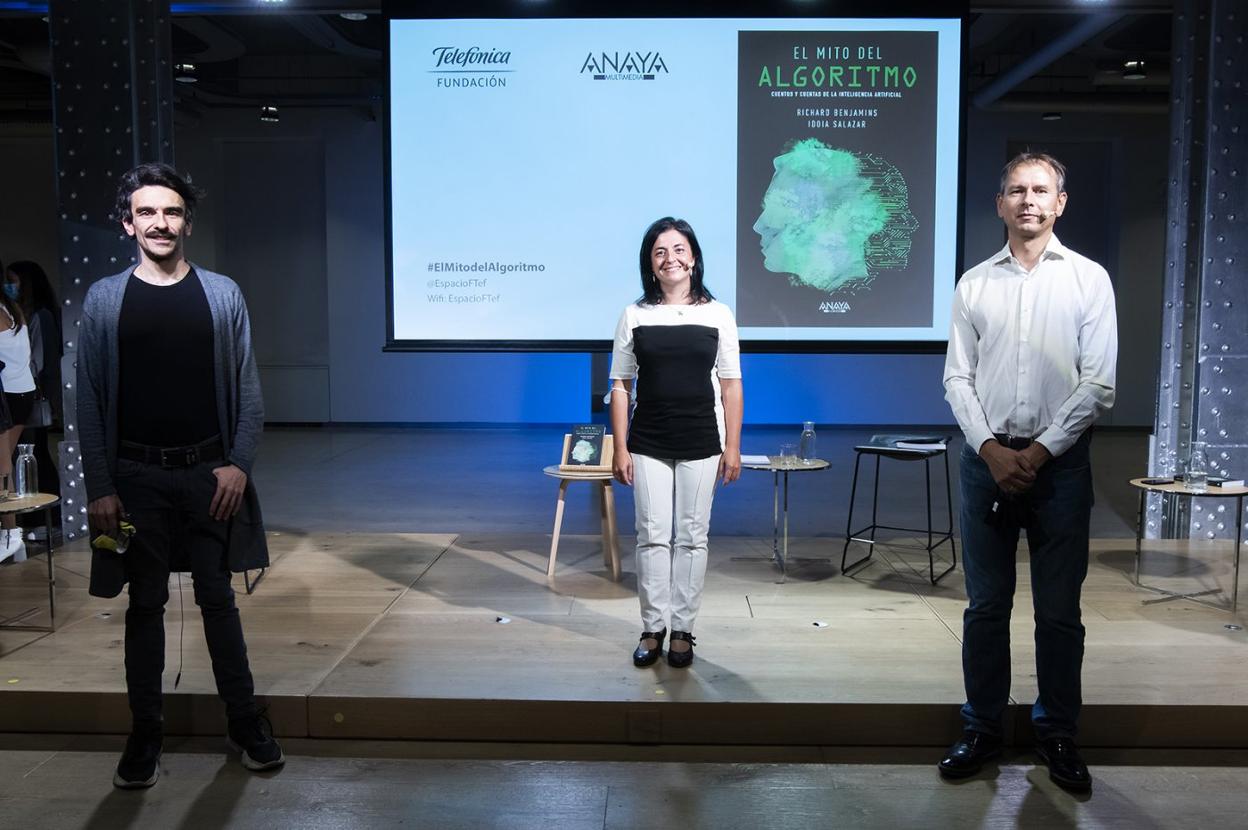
(113, 100)
(1202, 390)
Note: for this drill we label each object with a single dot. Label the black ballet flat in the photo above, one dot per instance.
(681, 659)
(643, 656)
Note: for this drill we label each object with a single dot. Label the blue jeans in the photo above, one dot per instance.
(1059, 509)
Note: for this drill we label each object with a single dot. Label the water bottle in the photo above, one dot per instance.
(1197, 478)
(25, 472)
(806, 449)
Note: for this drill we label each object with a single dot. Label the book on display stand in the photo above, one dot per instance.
(588, 449)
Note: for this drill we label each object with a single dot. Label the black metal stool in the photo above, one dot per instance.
(934, 539)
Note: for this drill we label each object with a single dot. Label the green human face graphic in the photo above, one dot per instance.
(833, 219)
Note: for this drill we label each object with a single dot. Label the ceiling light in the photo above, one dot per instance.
(353, 16)
(185, 73)
(268, 112)
(1051, 116)
(1133, 70)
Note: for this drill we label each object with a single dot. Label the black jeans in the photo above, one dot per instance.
(169, 509)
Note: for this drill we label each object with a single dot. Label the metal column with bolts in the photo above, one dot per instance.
(1202, 390)
(113, 108)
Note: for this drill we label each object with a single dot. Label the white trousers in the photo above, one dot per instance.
(673, 500)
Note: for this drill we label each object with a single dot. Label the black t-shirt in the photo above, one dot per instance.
(675, 414)
(167, 395)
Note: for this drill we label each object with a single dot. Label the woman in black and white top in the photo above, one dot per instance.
(680, 346)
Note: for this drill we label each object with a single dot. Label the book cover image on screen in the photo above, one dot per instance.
(836, 171)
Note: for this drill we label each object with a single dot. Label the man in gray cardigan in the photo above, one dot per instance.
(169, 417)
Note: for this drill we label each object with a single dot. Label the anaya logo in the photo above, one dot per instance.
(624, 66)
(837, 307)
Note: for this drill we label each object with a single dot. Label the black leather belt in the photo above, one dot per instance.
(1013, 442)
(173, 457)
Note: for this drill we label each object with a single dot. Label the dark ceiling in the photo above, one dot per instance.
(1066, 54)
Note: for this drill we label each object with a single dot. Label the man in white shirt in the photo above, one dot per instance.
(1030, 366)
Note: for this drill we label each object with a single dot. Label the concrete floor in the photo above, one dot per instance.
(62, 782)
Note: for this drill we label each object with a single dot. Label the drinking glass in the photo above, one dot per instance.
(1197, 478)
(788, 455)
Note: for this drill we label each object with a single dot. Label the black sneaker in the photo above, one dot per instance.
(253, 737)
(139, 766)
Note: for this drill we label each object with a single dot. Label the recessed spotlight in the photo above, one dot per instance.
(268, 112)
(185, 73)
(1051, 116)
(353, 16)
(1134, 70)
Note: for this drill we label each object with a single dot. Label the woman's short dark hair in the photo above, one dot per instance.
(650, 291)
(36, 289)
(154, 174)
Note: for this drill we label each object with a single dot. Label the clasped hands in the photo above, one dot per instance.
(1014, 470)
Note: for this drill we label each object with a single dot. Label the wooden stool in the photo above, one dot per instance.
(610, 546)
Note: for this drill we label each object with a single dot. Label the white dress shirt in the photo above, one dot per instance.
(1032, 353)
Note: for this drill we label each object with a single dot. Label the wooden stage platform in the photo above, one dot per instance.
(463, 638)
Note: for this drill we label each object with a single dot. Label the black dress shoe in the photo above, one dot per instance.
(967, 756)
(681, 659)
(1066, 768)
(643, 656)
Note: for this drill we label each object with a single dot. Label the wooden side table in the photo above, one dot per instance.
(1178, 489)
(610, 542)
(17, 507)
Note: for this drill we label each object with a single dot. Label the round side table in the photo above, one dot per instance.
(1177, 488)
(30, 504)
(776, 466)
